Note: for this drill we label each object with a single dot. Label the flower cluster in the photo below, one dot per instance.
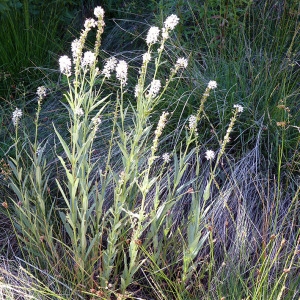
(122, 177)
(65, 65)
(210, 154)
(17, 114)
(137, 90)
(41, 92)
(152, 35)
(161, 123)
(238, 107)
(99, 12)
(171, 22)
(96, 121)
(181, 63)
(40, 149)
(154, 88)
(88, 59)
(192, 122)
(121, 71)
(76, 49)
(90, 23)
(164, 34)
(166, 157)
(159, 129)
(109, 67)
(212, 85)
(146, 57)
(79, 111)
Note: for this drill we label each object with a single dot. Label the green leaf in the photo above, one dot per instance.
(66, 224)
(63, 143)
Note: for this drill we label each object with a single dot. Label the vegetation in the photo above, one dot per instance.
(162, 168)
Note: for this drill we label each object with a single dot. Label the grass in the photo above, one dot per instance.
(109, 192)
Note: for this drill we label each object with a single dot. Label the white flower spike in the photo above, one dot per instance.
(17, 114)
(89, 59)
(212, 85)
(239, 108)
(99, 12)
(65, 65)
(41, 92)
(171, 22)
(192, 122)
(181, 63)
(152, 35)
(154, 88)
(121, 70)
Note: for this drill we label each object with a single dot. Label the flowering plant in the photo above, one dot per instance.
(119, 193)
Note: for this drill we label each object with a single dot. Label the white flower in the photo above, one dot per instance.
(212, 84)
(40, 150)
(41, 92)
(89, 59)
(161, 124)
(146, 57)
(122, 176)
(96, 121)
(17, 114)
(192, 122)
(210, 154)
(76, 49)
(99, 12)
(79, 111)
(171, 22)
(154, 88)
(137, 90)
(238, 107)
(109, 67)
(166, 157)
(121, 70)
(165, 33)
(181, 63)
(89, 23)
(65, 65)
(159, 129)
(152, 35)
